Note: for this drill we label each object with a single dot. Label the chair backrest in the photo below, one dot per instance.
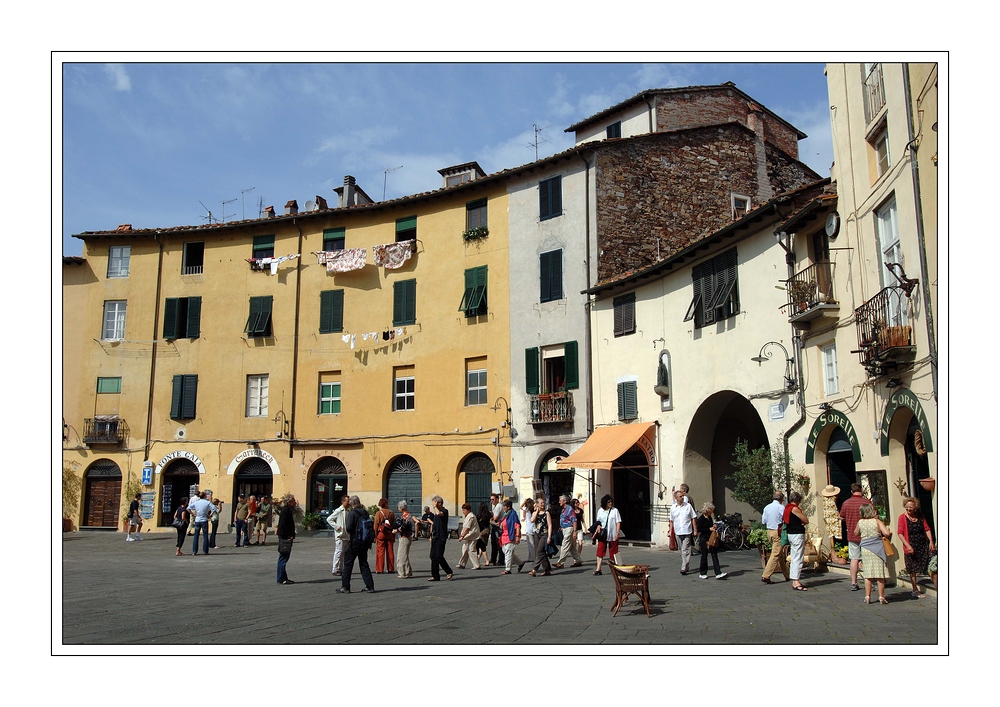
(627, 577)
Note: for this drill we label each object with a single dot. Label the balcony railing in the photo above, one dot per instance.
(874, 93)
(884, 331)
(192, 269)
(550, 407)
(811, 288)
(105, 429)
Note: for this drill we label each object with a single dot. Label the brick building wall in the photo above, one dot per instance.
(659, 193)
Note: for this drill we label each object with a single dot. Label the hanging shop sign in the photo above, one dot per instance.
(904, 398)
(180, 454)
(250, 453)
(832, 417)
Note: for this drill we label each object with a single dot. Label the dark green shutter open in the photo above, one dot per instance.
(531, 378)
(251, 327)
(571, 364)
(555, 201)
(176, 395)
(411, 302)
(331, 311)
(193, 317)
(190, 397)
(170, 318)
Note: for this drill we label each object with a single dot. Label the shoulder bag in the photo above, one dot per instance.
(887, 546)
(713, 539)
(284, 546)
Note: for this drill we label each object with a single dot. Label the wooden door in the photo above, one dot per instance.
(103, 502)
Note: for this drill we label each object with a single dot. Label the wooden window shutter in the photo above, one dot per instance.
(189, 397)
(331, 311)
(544, 199)
(193, 317)
(251, 327)
(170, 318)
(411, 302)
(624, 314)
(556, 198)
(627, 401)
(571, 364)
(532, 385)
(176, 395)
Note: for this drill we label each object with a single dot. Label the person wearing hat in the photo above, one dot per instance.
(771, 517)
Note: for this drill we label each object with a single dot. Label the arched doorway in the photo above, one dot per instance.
(722, 419)
(917, 468)
(630, 484)
(253, 477)
(840, 469)
(328, 484)
(180, 478)
(478, 470)
(555, 482)
(102, 497)
(403, 483)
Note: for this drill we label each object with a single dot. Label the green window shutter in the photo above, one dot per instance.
(556, 198)
(193, 317)
(170, 318)
(263, 246)
(411, 302)
(404, 302)
(571, 364)
(176, 395)
(532, 385)
(624, 314)
(264, 324)
(477, 299)
(251, 327)
(470, 286)
(334, 238)
(406, 229)
(189, 397)
(627, 401)
(331, 311)
(550, 276)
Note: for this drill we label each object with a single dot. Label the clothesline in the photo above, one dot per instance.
(387, 336)
(388, 255)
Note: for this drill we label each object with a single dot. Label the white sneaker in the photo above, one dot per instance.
(721, 576)
(129, 539)
(702, 576)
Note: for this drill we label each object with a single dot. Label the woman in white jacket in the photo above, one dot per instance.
(609, 525)
(337, 521)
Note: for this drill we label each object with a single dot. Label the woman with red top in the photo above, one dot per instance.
(918, 543)
(385, 521)
(795, 527)
(252, 519)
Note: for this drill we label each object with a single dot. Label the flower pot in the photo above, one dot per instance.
(839, 560)
(67, 525)
(928, 483)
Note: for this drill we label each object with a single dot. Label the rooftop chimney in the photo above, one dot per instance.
(292, 207)
(347, 197)
(269, 212)
(321, 202)
(124, 227)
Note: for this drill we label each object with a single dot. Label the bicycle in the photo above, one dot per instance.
(733, 534)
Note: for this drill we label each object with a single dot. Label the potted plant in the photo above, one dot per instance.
(474, 234)
(71, 486)
(758, 538)
(802, 292)
(928, 483)
(841, 554)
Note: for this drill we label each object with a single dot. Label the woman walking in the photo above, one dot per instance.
(469, 537)
(264, 519)
(405, 529)
(542, 521)
(795, 527)
(704, 524)
(873, 557)
(181, 514)
(609, 523)
(918, 543)
(214, 519)
(528, 528)
(510, 536)
(483, 518)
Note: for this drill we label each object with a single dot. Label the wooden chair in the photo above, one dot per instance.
(630, 579)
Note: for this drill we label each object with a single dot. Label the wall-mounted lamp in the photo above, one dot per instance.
(825, 406)
(283, 424)
(765, 355)
(508, 423)
(893, 383)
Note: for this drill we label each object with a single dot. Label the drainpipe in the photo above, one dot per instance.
(921, 243)
(800, 404)
(587, 312)
(295, 345)
(152, 357)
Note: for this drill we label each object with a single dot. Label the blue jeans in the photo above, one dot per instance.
(242, 532)
(200, 527)
(282, 561)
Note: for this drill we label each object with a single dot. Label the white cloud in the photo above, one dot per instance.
(119, 76)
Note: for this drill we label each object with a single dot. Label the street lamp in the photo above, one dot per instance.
(764, 355)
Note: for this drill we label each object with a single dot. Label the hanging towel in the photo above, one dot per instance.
(392, 255)
(354, 338)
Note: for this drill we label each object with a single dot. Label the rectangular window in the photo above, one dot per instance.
(550, 276)
(741, 206)
(109, 385)
(404, 302)
(716, 295)
(184, 398)
(474, 299)
(403, 388)
(331, 311)
(549, 198)
(625, 314)
(831, 383)
(259, 321)
(406, 229)
(329, 398)
(257, 395)
(628, 400)
(334, 239)
(114, 320)
(182, 318)
(879, 144)
(263, 247)
(615, 130)
(118, 260)
(551, 369)
(475, 214)
(475, 381)
(193, 261)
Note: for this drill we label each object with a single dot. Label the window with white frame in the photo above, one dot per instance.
(879, 144)
(118, 259)
(475, 382)
(114, 320)
(257, 395)
(831, 383)
(890, 251)
(329, 397)
(741, 206)
(403, 389)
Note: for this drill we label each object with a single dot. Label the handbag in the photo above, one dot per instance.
(284, 546)
(178, 523)
(713, 539)
(887, 546)
(784, 537)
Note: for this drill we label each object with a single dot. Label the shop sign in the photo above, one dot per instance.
(904, 398)
(180, 454)
(147, 474)
(832, 417)
(253, 452)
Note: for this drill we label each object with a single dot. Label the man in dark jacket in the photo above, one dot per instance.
(439, 536)
(286, 531)
(357, 549)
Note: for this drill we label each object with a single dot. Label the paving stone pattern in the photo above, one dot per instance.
(139, 593)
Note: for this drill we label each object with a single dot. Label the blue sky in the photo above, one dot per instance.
(148, 143)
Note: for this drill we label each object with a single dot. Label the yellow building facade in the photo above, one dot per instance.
(356, 350)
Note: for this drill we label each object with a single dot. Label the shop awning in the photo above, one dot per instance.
(605, 446)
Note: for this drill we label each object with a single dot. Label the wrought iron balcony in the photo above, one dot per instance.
(884, 332)
(105, 429)
(811, 292)
(550, 407)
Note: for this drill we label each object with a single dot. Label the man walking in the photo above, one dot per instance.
(134, 520)
(361, 534)
(439, 536)
(771, 517)
(337, 521)
(497, 509)
(851, 513)
(567, 523)
(286, 535)
(201, 508)
(242, 511)
(682, 518)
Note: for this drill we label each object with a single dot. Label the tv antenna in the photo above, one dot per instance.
(224, 209)
(243, 202)
(260, 206)
(209, 211)
(537, 141)
(385, 177)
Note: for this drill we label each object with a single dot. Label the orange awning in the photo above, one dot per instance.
(605, 446)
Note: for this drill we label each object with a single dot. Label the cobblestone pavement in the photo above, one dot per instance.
(138, 593)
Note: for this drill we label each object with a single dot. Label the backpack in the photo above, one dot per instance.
(364, 533)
